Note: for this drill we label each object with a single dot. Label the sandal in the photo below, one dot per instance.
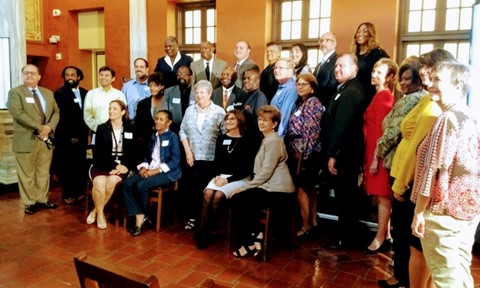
(257, 241)
(91, 217)
(244, 251)
(102, 224)
(302, 232)
(190, 224)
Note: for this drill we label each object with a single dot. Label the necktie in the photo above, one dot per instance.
(225, 99)
(237, 66)
(207, 71)
(39, 105)
(79, 98)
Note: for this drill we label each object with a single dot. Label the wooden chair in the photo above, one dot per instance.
(93, 273)
(156, 196)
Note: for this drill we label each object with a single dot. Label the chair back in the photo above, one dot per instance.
(93, 273)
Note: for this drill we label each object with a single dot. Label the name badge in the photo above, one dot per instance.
(176, 100)
(297, 113)
(30, 100)
(165, 143)
(336, 97)
(227, 141)
(75, 100)
(128, 135)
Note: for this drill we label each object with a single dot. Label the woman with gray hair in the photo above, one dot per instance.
(201, 125)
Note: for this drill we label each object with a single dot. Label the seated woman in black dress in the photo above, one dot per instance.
(160, 167)
(271, 186)
(113, 157)
(233, 164)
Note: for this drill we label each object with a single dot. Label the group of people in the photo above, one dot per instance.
(265, 139)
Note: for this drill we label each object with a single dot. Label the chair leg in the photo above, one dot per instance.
(159, 211)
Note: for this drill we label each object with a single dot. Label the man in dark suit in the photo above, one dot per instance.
(35, 116)
(170, 63)
(343, 147)
(214, 65)
(242, 53)
(71, 136)
(324, 72)
(268, 83)
(229, 95)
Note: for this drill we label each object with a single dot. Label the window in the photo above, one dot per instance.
(302, 21)
(432, 24)
(196, 23)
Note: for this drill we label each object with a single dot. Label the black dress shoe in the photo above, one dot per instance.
(47, 205)
(137, 230)
(384, 284)
(30, 209)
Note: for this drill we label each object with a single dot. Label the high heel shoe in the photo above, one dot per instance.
(384, 247)
(244, 251)
(137, 230)
(91, 217)
(257, 241)
(102, 224)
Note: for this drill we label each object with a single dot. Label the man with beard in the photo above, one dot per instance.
(180, 96)
(171, 62)
(71, 136)
(137, 88)
(229, 96)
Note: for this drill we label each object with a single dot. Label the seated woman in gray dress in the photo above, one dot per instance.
(271, 186)
(160, 167)
(233, 164)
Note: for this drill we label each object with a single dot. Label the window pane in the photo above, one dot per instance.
(326, 8)
(189, 35)
(188, 19)
(297, 10)
(415, 5)
(286, 11)
(453, 3)
(197, 20)
(324, 26)
(467, 3)
(211, 34)
(451, 22)
(424, 48)
(211, 17)
(428, 21)
(452, 48)
(414, 20)
(285, 31)
(313, 58)
(313, 28)
(412, 50)
(315, 9)
(429, 4)
(285, 54)
(296, 29)
(466, 19)
(463, 53)
(197, 36)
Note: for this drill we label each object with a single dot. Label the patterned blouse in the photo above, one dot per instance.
(448, 165)
(304, 127)
(387, 143)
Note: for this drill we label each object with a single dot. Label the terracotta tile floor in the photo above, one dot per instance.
(38, 250)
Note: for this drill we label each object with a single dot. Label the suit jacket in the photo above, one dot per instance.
(144, 120)
(71, 124)
(246, 65)
(27, 119)
(344, 125)
(169, 74)
(169, 153)
(327, 83)
(237, 97)
(173, 103)
(198, 70)
(102, 150)
(256, 99)
(268, 83)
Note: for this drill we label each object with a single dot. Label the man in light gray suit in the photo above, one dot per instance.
(208, 67)
(244, 63)
(35, 116)
(177, 98)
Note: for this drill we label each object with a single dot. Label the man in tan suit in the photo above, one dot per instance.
(35, 116)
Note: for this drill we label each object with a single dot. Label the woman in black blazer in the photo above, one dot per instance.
(113, 157)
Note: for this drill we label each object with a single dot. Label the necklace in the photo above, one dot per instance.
(228, 147)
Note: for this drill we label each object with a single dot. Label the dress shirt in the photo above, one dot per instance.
(284, 100)
(135, 92)
(96, 104)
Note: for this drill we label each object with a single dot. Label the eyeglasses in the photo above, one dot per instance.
(230, 119)
(183, 74)
(30, 73)
(322, 40)
(280, 67)
(302, 84)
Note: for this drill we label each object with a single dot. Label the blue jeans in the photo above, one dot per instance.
(135, 191)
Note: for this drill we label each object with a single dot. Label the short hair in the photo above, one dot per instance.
(289, 63)
(433, 57)
(30, 64)
(242, 124)
(391, 65)
(123, 107)
(204, 84)
(276, 44)
(156, 77)
(78, 70)
(234, 73)
(248, 44)
(168, 113)
(352, 56)
(186, 67)
(171, 39)
(106, 68)
(372, 39)
(459, 73)
(272, 112)
(143, 59)
(413, 65)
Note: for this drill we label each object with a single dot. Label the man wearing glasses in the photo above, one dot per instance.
(286, 94)
(324, 72)
(35, 116)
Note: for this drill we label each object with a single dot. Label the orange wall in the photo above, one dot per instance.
(250, 21)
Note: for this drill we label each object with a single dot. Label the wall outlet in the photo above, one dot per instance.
(58, 56)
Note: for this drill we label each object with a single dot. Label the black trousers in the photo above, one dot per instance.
(72, 168)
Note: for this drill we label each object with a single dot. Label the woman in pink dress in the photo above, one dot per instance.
(376, 177)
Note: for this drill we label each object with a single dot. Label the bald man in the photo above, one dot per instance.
(207, 67)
